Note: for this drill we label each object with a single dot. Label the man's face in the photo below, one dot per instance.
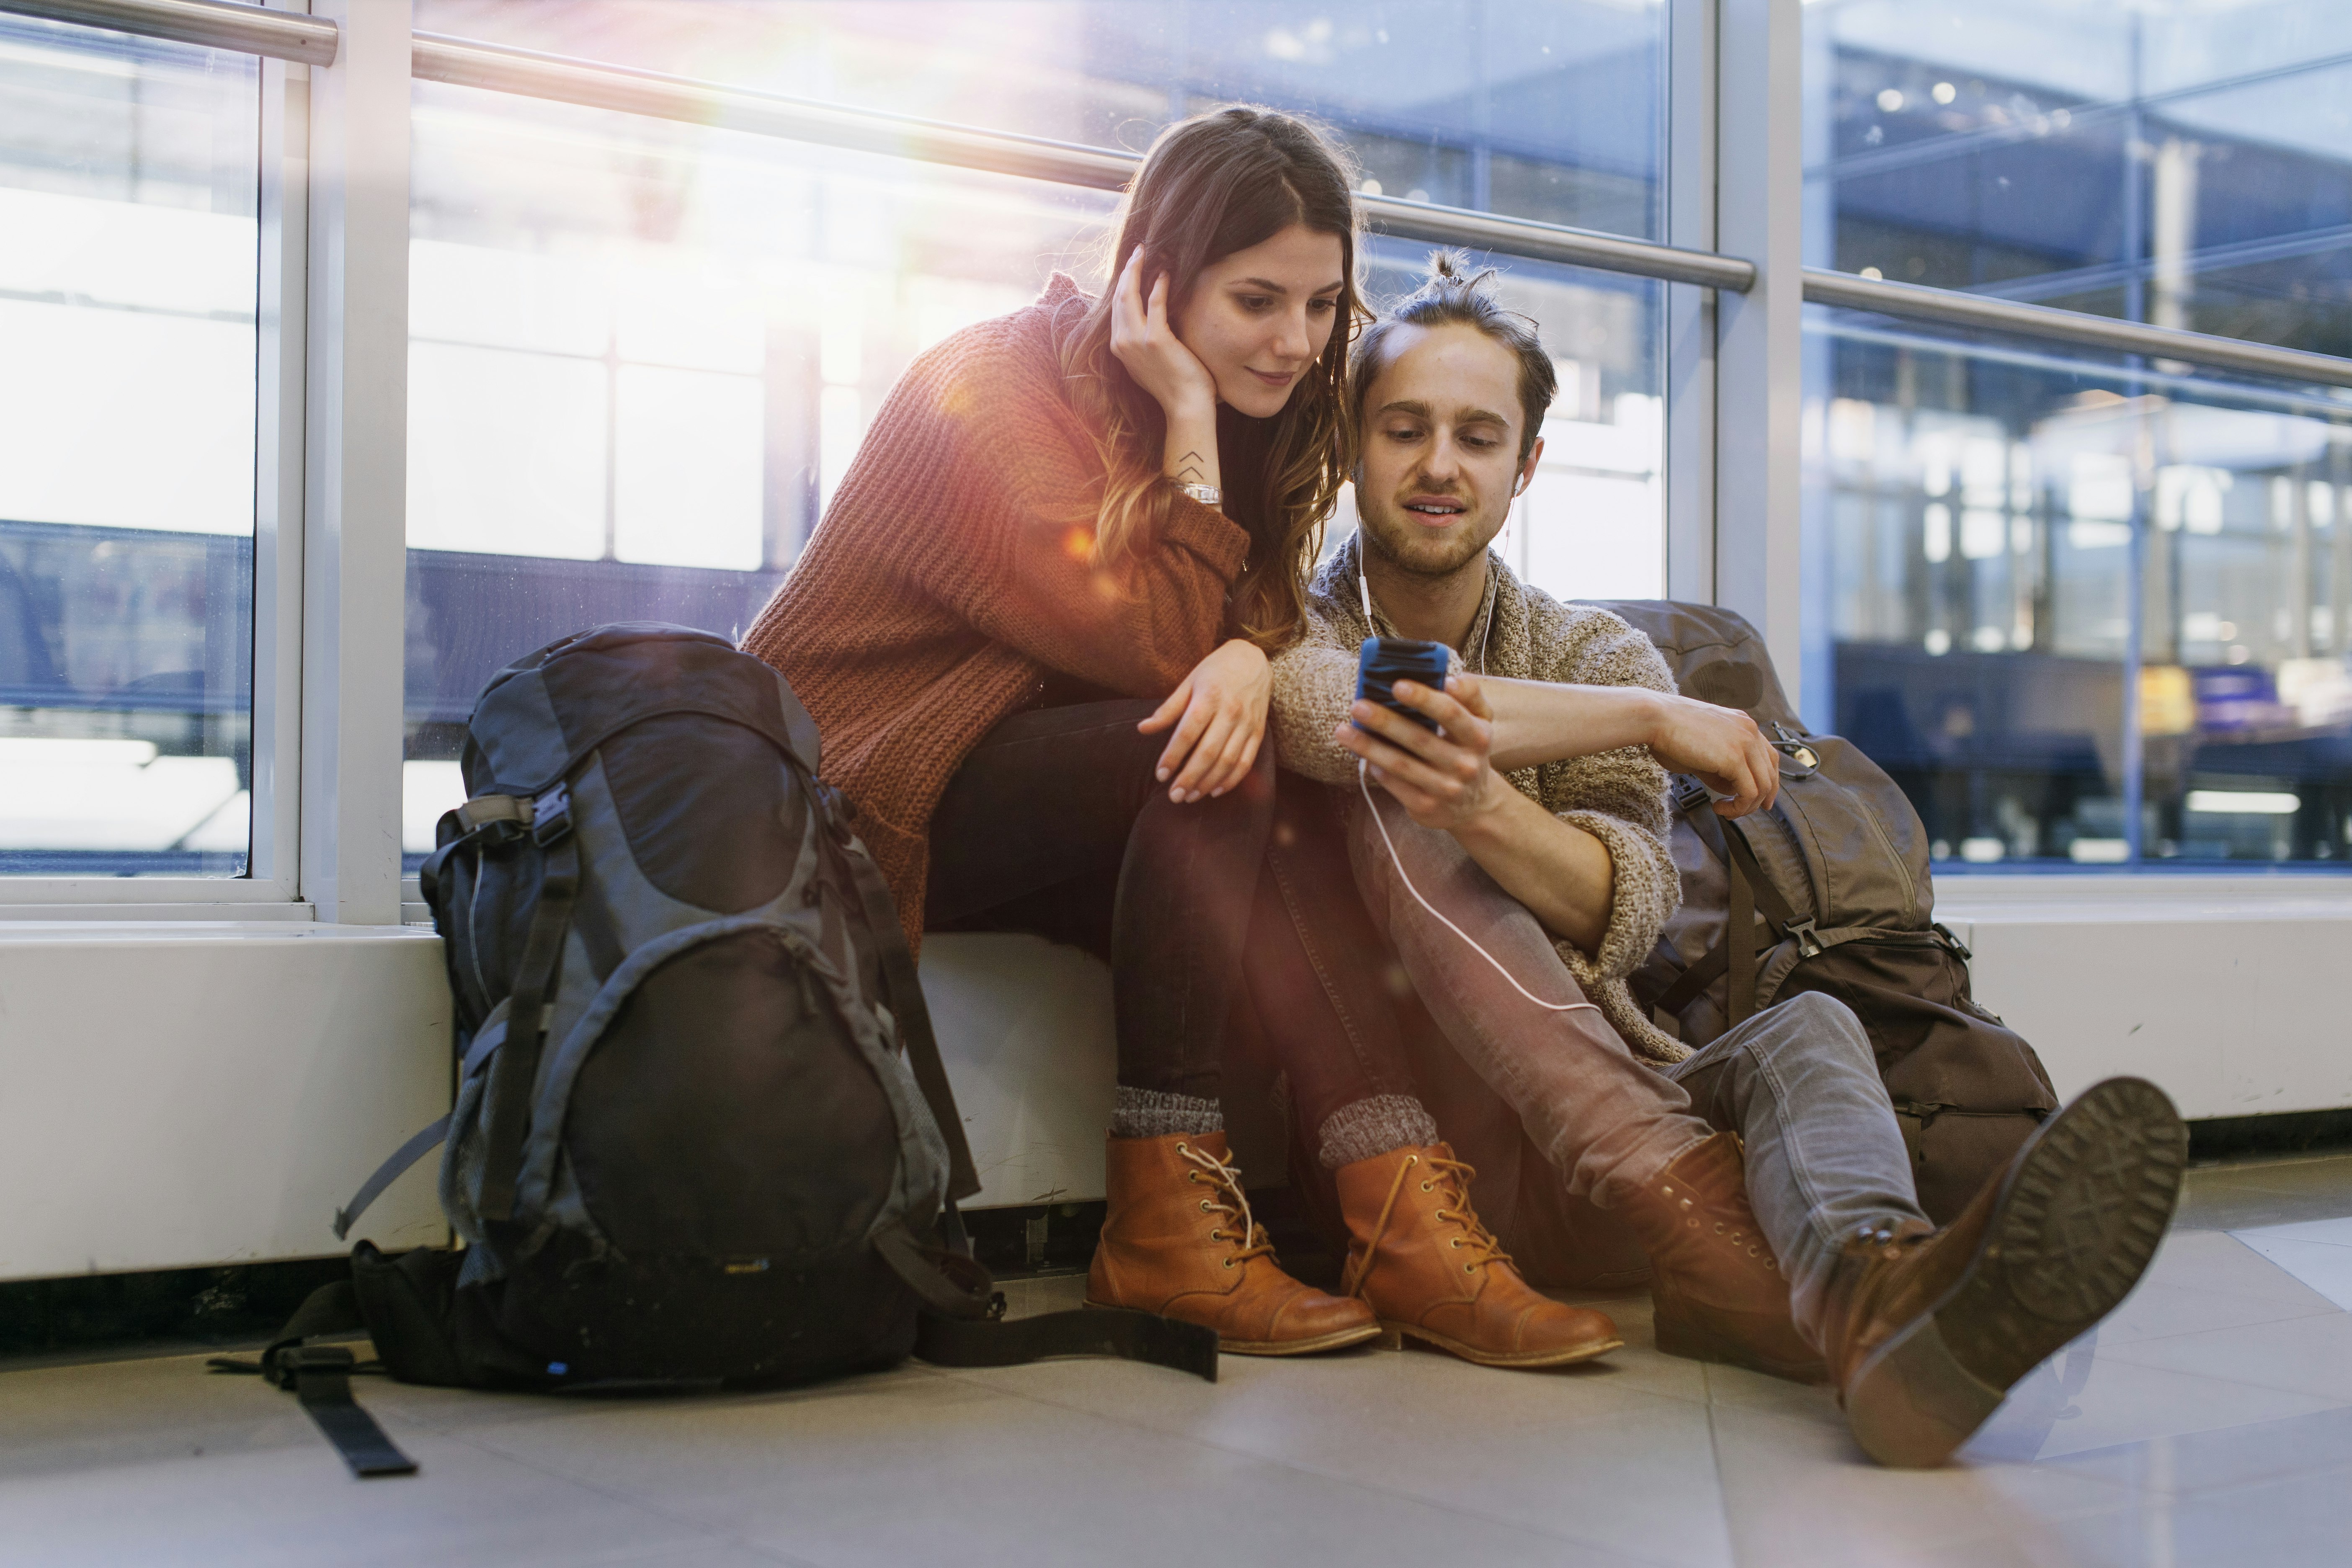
(1441, 448)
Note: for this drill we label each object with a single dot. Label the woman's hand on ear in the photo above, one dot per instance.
(1146, 343)
(1219, 714)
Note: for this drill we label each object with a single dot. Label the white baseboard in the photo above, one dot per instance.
(202, 1092)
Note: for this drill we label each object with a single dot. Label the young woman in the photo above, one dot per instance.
(1032, 629)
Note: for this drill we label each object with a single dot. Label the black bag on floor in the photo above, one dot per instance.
(1832, 884)
(702, 1132)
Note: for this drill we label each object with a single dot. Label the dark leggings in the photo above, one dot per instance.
(1341, 1019)
(1056, 824)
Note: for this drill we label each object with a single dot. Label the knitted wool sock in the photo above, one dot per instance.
(1372, 1127)
(1148, 1113)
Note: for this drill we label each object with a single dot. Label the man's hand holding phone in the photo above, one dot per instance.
(1444, 778)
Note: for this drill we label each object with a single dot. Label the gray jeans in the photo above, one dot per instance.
(1797, 1082)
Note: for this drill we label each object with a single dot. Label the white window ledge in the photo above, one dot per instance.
(268, 918)
(2151, 896)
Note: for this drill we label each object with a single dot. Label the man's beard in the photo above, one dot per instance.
(1384, 539)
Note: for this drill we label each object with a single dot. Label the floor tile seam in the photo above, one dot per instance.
(2243, 1232)
(2178, 1494)
(2004, 1528)
(1978, 1467)
(2280, 1162)
(147, 1462)
(1317, 1472)
(2256, 1256)
(2121, 1353)
(562, 1407)
(2263, 1202)
(534, 1416)
(1715, 1465)
(2253, 1296)
(1640, 1392)
(2340, 1467)
(711, 1536)
(2276, 1161)
(2259, 1214)
(2295, 1316)
(2291, 1198)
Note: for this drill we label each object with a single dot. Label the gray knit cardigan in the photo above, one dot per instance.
(1619, 797)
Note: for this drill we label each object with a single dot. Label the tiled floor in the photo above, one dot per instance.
(2207, 1421)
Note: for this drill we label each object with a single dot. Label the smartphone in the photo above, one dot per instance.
(1381, 662)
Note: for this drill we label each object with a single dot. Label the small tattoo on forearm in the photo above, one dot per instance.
(1189, 471)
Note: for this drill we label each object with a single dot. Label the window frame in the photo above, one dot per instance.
(270, 888)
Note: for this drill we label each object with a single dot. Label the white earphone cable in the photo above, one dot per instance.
(1363, 783)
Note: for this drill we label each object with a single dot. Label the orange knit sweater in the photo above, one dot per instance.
(951, 573)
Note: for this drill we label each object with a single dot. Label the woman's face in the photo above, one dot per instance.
(1259, 318)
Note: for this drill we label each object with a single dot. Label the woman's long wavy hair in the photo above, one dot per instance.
(1211, 185)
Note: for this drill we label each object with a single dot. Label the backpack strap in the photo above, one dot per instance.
(515, 1069)
(1739, 935)
(913, 1014)
(1089, 1331)
(962, 1322)
(1750, 892)
(423, 1143)
(492, 817)
(320, 1377)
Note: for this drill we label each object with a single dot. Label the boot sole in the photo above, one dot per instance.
(1678, 1338)
(1394, 1335)
(2079, 1216)
(1337, 1340)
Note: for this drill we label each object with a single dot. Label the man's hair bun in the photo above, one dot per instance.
(1453, 295)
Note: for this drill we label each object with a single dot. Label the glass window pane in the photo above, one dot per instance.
(2085, 615)
(1548, 109)
(129, 184)
(644, 354)
(2179, 161)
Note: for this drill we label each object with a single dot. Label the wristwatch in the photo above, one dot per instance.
(1207, 495)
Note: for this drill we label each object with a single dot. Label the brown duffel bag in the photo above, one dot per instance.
(1832, 886)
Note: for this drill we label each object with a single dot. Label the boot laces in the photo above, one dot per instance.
(1226, 1178)
(1457, 1175)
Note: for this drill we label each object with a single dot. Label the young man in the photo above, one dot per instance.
(1515, 859)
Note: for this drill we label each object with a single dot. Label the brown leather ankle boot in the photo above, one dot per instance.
(1720, 1293)
(1177, 1240)
(1417, 1252)
(1928, 1332)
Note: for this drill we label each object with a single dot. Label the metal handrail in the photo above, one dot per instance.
(526, 73)
(1956, 309)
(247, 29)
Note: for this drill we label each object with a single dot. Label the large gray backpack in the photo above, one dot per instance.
(1832, 886)
(702, 1132)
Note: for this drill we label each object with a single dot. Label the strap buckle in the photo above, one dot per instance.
(1959, 949)
(283, 1365)
(1808, 944)
(1792, 745)
(485, 810)
(550, 817)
